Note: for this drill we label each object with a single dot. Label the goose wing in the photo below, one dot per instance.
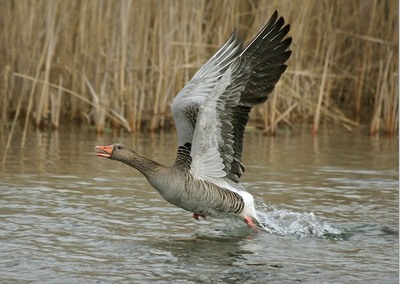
(186, 104)
(211, 112)
(266, 54)
(212, 150)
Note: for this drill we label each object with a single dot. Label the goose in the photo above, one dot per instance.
(210, 115)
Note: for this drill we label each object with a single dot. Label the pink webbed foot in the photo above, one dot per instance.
(250, 223)
(196, 216)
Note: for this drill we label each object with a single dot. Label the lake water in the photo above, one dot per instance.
(68, 216)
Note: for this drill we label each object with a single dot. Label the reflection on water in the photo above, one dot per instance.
(68, 216)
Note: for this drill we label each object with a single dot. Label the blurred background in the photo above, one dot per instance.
(119, 64)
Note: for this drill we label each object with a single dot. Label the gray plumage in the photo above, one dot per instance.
(210, 114)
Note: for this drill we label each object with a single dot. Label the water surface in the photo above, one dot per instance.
(68, 216)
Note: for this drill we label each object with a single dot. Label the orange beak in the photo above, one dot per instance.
(104, 151)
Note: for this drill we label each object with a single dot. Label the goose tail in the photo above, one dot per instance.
(249, 213)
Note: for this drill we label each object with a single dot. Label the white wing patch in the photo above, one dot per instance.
(209, 167)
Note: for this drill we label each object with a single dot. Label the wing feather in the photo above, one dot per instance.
(186, 104)
(212, 110)
(213, 139)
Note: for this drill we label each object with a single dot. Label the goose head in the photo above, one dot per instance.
(116, 151)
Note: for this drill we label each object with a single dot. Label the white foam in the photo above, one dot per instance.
(286, 222)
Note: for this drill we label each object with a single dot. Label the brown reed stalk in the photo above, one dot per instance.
(100, 101)
(51, 40)
(273, 110)
(111, 115)
(31, 98)
(381, 99)
(55, 101)
(322, 89)
(376, 117)
(6, 91)
(390, 101)
(139, 58)
(392, 105)
(11, 133)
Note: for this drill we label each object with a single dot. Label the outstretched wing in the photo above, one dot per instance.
(211, 112)
(266, 54)
(186, 104)
(213, 139)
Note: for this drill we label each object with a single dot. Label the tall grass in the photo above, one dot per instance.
(120, 63)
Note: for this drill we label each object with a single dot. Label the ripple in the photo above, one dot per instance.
(71, 218)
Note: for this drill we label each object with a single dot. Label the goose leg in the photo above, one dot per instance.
(250, 223)
(196, 216)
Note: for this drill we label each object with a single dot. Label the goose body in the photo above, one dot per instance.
(210, 114)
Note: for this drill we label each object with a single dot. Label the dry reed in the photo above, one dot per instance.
(120, 63)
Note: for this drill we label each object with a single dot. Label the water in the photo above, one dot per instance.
(68, 216)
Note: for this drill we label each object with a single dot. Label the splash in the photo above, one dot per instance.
(286, 222)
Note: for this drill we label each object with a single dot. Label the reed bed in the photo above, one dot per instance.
(120, 63)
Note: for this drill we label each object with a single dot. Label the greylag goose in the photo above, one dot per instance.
(210, 114)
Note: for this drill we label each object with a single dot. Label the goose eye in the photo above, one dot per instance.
(119, 147)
